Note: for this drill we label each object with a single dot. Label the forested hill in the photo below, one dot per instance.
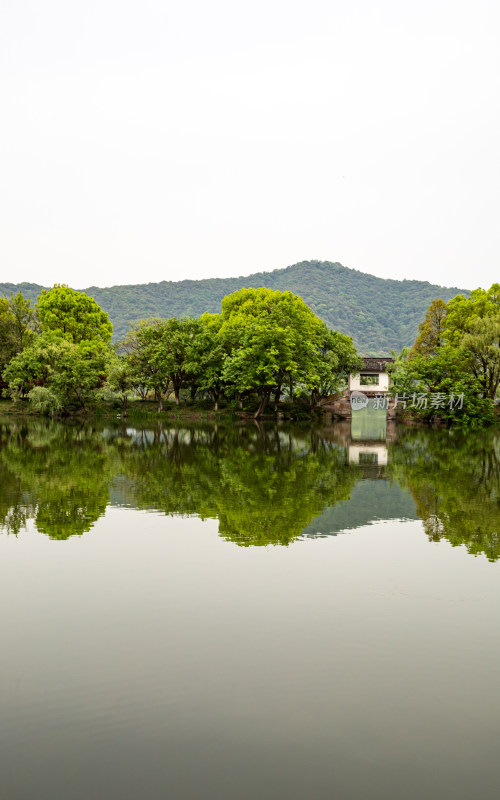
(378, 313)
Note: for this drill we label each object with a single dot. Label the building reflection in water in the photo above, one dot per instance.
(369, 434)
(366, 454)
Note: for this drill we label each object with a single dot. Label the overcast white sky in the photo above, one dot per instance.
(153, 140)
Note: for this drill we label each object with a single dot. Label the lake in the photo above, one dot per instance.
(249, 612)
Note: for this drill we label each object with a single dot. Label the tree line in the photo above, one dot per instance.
(456, 352)
(264, 345)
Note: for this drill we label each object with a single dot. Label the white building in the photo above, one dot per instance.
(373, 378)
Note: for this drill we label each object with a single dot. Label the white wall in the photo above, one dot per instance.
(355, 384)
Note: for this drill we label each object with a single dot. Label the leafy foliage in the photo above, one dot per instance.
(337, 358)
(463, 312)
(73, 315)
(273, 337)
(431, 331)
(120, 377)
(452, 393)
(18, 324)
(260, 342)
(72, 372)
(209, 352)
(457, 354)
(45, 400)
(482, 346)
(162, 354)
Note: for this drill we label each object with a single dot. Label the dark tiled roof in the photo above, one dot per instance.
(377, 364)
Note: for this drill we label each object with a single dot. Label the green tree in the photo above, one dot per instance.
(176, 350)
(71, 371)
(74, 315)
(18, 324)
(149, 373)
(208, 355)
(33, 366)
(7, 349)
(274, 338)
(431, 331)
(452, 392)
(120, 377)
(163, 354)
(463, 312)
(337, 357)
(457, 352)
(482, 346)
(79, 372)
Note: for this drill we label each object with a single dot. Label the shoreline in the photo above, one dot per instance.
(147, 411)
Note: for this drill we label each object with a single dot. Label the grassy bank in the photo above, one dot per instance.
(144, 411)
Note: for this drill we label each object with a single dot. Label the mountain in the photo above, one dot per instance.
(380, 314)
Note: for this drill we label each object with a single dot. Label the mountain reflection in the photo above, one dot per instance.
(263, 485)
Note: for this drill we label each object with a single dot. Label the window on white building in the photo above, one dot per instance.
(369, 379)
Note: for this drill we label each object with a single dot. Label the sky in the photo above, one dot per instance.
(153, 140)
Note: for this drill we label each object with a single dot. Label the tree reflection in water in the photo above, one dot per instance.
(455, 481)
(263, 485)
(58, 475)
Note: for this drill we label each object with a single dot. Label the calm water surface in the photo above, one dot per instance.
(248, 613)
